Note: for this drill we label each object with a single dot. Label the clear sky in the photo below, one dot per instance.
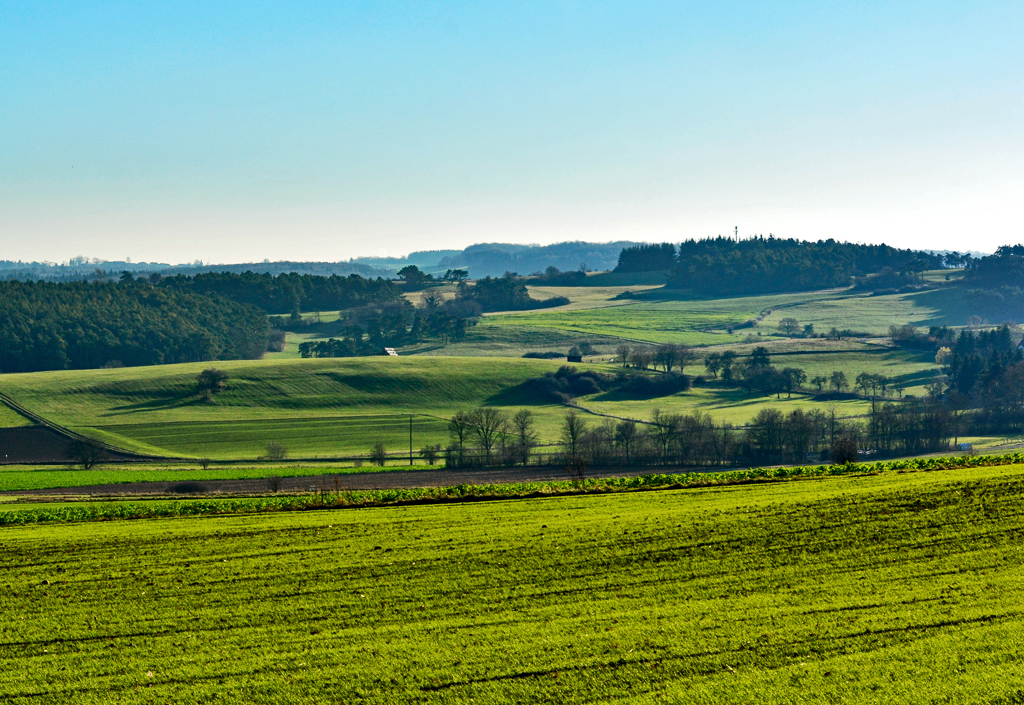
(230, 132)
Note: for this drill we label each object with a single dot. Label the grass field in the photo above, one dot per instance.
(325, 408)
(874, 314)
(691, 322)
(896, 588)
(12, 419)
(340, 407)
(706, 322)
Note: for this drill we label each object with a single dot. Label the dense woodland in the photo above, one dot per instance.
(647, 258)
(47, 326)
(508, 293)
(288, 293)
(722, 266)
(995, 284)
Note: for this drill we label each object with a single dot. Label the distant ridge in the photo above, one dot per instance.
(494, 259)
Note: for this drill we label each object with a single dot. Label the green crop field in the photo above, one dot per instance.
(895, 588)
(340, 407)
(327, 408)
(26, 478)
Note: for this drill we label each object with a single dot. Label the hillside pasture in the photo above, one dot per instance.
(897, 588)
(9, 418)
(325, 407)
(863, 313)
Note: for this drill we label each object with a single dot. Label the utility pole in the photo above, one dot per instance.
(410, 440)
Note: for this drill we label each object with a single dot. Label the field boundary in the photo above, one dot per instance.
(326, 499)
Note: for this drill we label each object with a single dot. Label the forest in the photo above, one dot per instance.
(289, 293)
(48, 326)
(722, 266)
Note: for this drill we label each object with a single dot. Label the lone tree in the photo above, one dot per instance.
(379, 454)
(838, 381)
(525, 437)
(490, 426)
(211, 381)
(276, 452)
(84, 453)
(574, 429)
(789, 326)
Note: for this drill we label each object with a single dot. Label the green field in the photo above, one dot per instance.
(706, 322)
(12, 419)
(326, 408)
(895, 588)
(874, 314)
(26, 478)
(333, 408)
(690, 322)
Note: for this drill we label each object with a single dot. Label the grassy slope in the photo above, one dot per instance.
(897, 588)
(12, 419)
(697, 322)
(314, 407)
(332, 408)
(690, 322)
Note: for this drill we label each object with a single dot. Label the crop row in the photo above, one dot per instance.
(368, 498)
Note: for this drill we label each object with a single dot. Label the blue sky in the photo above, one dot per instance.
(243, 131)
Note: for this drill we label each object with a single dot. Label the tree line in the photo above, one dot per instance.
(722, 266)
(79, 325)
(489, 436)
(289, 293)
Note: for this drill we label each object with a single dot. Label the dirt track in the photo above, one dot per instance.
(360, 481)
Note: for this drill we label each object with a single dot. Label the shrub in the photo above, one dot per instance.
(379, 454)
(276, 452)
(274, 483)
(430, 453)
(189, 487)
(844, 451)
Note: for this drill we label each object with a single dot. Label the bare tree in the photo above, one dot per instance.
(664, 428)
(625, 436)
(685, 356)
(573, 430)
(525, 436)
(622, 351)
(490, 425)
(665, 355)
(459, 427)
(641, 358)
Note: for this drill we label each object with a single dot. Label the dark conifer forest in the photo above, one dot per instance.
(45, 326)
